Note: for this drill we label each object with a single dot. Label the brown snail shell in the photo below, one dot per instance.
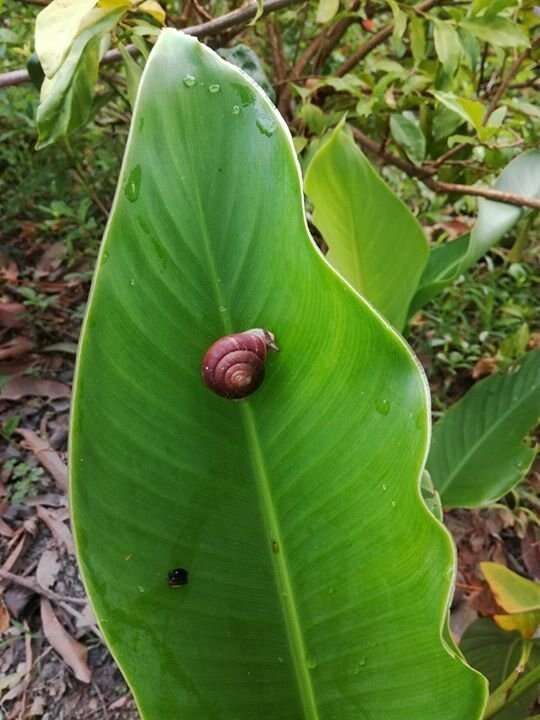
(233, 366)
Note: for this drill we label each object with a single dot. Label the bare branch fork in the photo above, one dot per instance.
(427, 176)
(212, 27)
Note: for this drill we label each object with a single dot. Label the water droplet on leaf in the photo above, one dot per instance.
(382, 406)
(133, 184)
(189, 81)
(215, 88)
(132, 282)
(236, 109)
(265, 125)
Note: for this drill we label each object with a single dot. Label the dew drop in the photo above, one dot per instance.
(132, 282)
(384, 487)
(280, 660)
(189, 81)
(311, 662)
(222, 309)
(133, 184)
(394, 503)
(105, 258)
(236, 110)
(382, 406)
(215, 88)
(265, 125)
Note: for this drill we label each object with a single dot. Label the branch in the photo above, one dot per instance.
(207, 29)
(505, 83)
(37, 589)
(426, 175)
(322, 44)
(379, 38)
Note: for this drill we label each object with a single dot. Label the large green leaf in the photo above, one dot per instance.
(318, 580)
(477, 452)
(374, 240)
(446, 262)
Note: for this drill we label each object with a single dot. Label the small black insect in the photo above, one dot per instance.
(177, 577)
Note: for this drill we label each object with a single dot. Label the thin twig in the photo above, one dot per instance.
(212, 27)
(426, 176)
(377, 39)
(505, 83)
(38, 590)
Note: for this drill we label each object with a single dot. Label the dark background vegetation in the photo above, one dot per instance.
(54, 206)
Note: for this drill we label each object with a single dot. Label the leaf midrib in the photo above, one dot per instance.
(494, 427)
(279, 560)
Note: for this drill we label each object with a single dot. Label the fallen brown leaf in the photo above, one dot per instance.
(25, 385)
(10, 272)
(11, 315)
(59, 530)
(4, 617)
(51, 259)
(530, 550)
(484, 366)
(47, 569)
(72, 652)
(46, 456)
(5, 529)
(15, 347)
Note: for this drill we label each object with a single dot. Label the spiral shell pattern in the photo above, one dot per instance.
(233, 366)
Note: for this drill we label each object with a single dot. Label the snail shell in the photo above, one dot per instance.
(233, 366)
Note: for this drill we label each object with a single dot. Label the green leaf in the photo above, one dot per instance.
(491, 7)
(498, 31)
(361, 221)
(66, 99)
(477, 452)
(57, 26)
(417, 33)
(443, 266)
(318, 581)
(133, 73)
(520, 176)
(245, 58)
(430, 496)
(473, 111)
(407, 132)
(447, 45)
(447, 262)
(326, 10)
(400, 20)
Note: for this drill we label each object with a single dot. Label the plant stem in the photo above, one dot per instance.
(241, 16)
(512, 687)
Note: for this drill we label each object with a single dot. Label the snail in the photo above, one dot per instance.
(233, 366)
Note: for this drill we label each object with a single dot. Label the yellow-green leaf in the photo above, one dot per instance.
(153, 8)
(526, 623)
(57, 26)
(514, 593)
(326, 10)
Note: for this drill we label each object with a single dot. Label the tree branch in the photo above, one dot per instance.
(379, 38)
(426, 175)
(505, 82)
(206, 29)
